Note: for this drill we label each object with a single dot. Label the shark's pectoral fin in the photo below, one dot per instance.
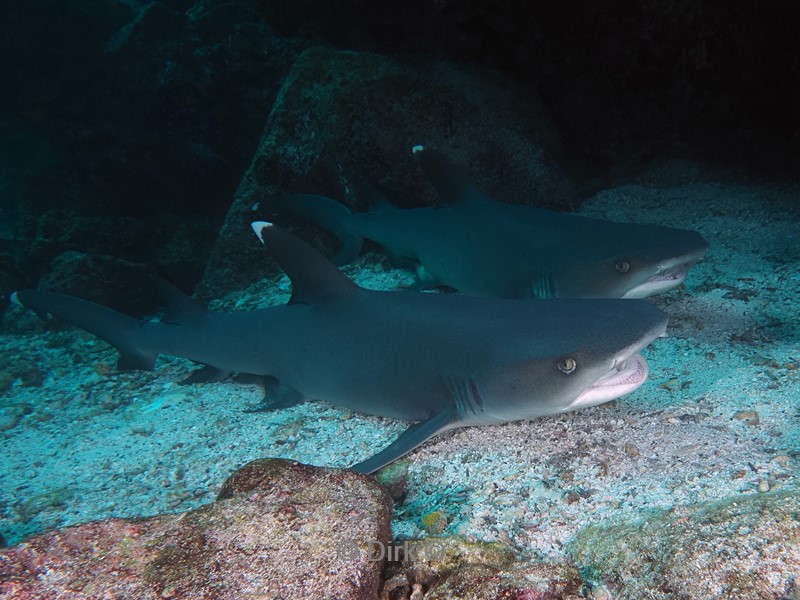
(425, 281)
(411, 438)
(277, 396)
(205, 375)
(419, 286)
(400, 261)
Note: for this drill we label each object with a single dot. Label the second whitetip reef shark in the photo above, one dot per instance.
(442, 360)
(483, 247)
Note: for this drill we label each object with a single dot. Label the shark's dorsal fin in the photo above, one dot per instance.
(314, 278)
(451, 184)
(182, 309)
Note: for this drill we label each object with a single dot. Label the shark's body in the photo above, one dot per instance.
(483, 247)
(443, 360)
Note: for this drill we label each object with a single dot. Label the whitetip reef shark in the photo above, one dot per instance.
(483, 247)
(443, 360)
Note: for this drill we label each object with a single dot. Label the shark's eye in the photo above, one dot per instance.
(623, 266)
(567, 365)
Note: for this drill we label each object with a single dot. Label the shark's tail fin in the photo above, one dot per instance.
(326, 213)
(121, 331)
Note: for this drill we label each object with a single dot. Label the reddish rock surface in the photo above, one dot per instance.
(278, 529)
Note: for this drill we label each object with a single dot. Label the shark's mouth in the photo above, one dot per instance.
(676, 275)
(625, 377)
(658, 283)
(667, 278)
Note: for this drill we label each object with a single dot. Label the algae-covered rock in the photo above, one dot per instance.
(342, 116)
(276, 531)
(394, 477)
(434, 522)
(435, 558)
(526, 581)
(740, 547)
(454, 567)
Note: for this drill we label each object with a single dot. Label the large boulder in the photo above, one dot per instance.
(279, 529)
(457, 568)
(142, 110)
(628, 83)
(344, 115)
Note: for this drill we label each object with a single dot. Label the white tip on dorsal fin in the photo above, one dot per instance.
(15, 299)
(314, 278)
(417, 148)
(258, 228)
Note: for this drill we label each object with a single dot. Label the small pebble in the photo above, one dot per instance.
(395, 582)
(631, 450)
(748, 417)
(600, 593)
(417, 593)
(783, 460)
(763, 486)
(435, 522)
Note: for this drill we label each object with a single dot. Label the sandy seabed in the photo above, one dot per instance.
(719, 415)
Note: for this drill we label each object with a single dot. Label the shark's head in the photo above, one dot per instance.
(628, 261)
(588, 358)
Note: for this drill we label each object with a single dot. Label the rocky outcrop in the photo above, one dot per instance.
(456, 568)
(278, 529)
(142, 110)
(745, 547)
(627, 82)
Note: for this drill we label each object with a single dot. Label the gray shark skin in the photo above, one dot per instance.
(443, 360)
(483, 247)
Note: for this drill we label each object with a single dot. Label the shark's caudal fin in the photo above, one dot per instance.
(451, 184)
(326, 213)
(119, 330)
(314, 278)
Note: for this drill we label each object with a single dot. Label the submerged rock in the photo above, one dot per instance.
(278, 529)
(144, 110)
(453, 567)
(527, 581)
(394, 477)
(739, 547)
